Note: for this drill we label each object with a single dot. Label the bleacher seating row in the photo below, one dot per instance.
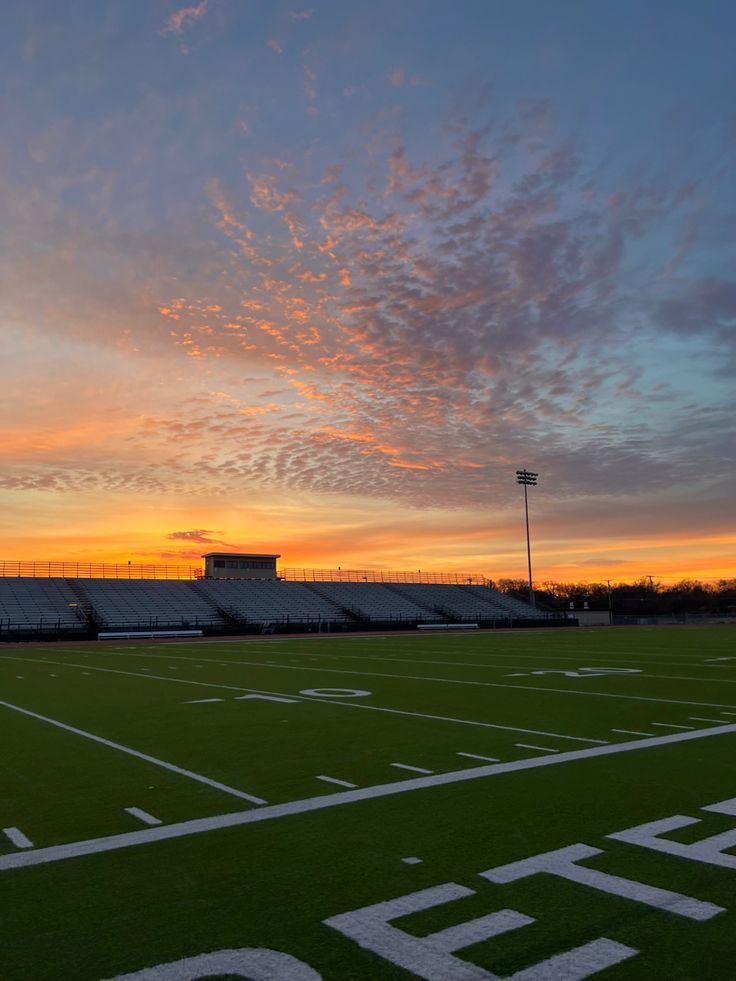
(68, 605)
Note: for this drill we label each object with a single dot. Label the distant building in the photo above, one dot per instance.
(239, 565)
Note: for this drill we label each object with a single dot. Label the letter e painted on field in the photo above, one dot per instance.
(431, 957)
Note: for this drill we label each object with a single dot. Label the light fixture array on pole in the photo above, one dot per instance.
(528, 479)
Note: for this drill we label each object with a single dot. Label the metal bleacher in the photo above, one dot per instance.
(452, 601)
(119, 604)
(270, 601)
(509, 605)
(372, 601)
(39, 605)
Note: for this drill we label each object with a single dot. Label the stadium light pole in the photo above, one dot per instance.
(528, 479)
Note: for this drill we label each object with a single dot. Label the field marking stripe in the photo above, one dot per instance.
(476, 756)
(631, 732)
(538, 657)
(414, 769)
(18, 838)
(447, 681)
(340, 783)
(134, 752)
(669, 725)
(542, 749)
(699, 718)
(93, 846)
(331, 701)
(142, 815)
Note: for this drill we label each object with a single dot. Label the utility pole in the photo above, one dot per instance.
(528, 479)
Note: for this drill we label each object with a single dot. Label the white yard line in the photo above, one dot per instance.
(334, 701)
(414, 769)
(728, 713)
(542, 749)
(203, 701)
(182, 829)
(631, 732)
(475, 756)
(699, 718)
(18, 838)
(340, 783)
(669, 725)
(456, 681)
(142, 815)
(577, 660)
(172, 767)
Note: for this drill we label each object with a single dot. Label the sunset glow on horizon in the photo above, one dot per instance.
(317, 280)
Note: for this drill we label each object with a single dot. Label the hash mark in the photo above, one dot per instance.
(18, 838)
(340, 783)
(142, 815)
(414, 769)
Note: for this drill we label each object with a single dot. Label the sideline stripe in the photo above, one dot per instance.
(330, 701)
(94, 846)
(542, 749)
(633, 732)
(475, 756)
(18, 838)
(669, 725)
(144, 816)
(134, 752)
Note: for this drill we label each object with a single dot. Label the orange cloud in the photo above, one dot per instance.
(181, 18)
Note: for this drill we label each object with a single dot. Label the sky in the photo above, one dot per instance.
(316, 279)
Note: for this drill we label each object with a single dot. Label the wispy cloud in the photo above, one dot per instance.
(184, 17)
(199, 535)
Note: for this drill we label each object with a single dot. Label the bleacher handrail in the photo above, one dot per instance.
(16, 569)
(383, 576)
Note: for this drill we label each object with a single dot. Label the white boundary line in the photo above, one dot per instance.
(330, 701)
(542, 749)
(476, 756)
(93, 846)
(134, 752)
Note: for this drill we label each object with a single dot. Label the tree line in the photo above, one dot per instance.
(644, 596)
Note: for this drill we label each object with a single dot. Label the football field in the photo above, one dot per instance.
(536, 805)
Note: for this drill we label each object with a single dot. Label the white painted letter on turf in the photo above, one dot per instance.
(256, 964)
(709, 850)
(431, 957)
(562, 863)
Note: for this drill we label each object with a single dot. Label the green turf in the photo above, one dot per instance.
(271, 884)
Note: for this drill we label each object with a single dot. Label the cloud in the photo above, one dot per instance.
(182, 18)
(302, 14)
(199, 535)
